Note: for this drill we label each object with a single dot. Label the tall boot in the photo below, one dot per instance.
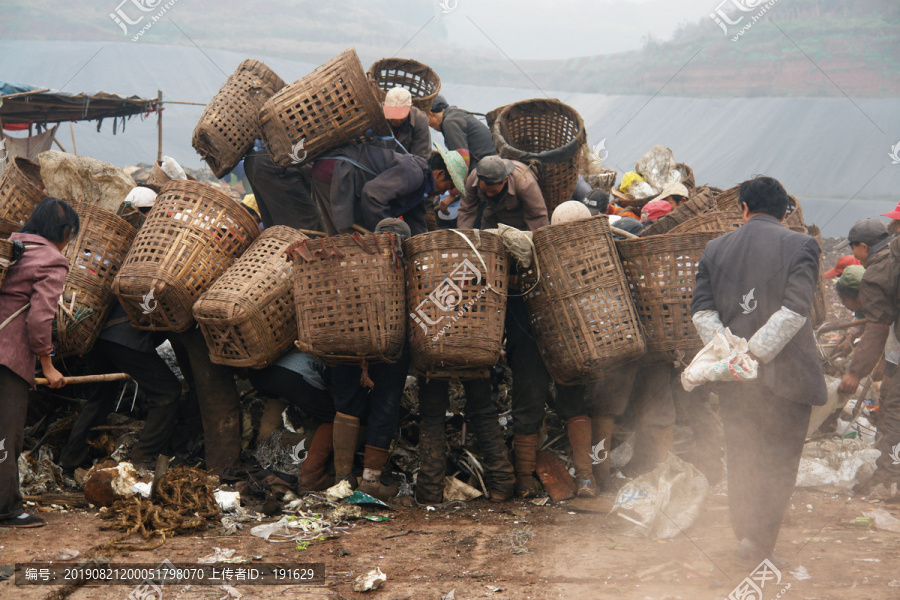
(344, 435)
(312, 476)
(602, 429)
(663, 442)
(579, 432)
(499, 475)
(432, 463)
(525, 448)
(373, 465)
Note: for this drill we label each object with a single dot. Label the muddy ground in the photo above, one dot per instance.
(517, 551)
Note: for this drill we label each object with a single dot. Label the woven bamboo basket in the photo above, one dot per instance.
(456, 300)
(794, 216)
(546, 134)
(349, 292)
(332, 106)
(248, 315)
(820, 306)
(720, 221)
(687, 177)
(661, 272)
(191, 236)
(158, 178)
(7, 228)
(701, 203)
(230, 122)
(21, 189)
(132, 215)
(582, 314)
(730, 200)
(421, 80)
(95, 256)
(604, 180)
(6, 256)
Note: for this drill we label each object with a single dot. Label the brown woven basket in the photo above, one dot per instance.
(701, 203)
(7, 228)
(794, 216)
(582, 314)
(230, 123)
(546, 134)
(332, 106)
(456, 300)
(95, 258)
(687, 177)
(820, 306)
(132, 215)
(421, 80)
(661, 272)
(349, 292)
(192, 235)
(158, 178)
(721, 221)
(21, 189)
(729, 199)
(6, 255)
(247, 316)
(604, 180)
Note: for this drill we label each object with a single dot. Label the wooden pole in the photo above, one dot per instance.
(88, 378)
(72, 131)
(159, 109)
(56, 141)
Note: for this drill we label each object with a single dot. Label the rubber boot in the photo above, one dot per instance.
(373, 465)
(499, 475)
(602, 429)
(346, 428)
(579, 432)
(270, 420)
(432, 463)
(312, 476)
(664, 442)
(525, 448)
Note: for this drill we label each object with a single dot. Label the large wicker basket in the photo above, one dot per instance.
(720, 221)
(687, 177)
(605, 180)
(546, 134)
(820, 306)
(6, 257)
(7, 228)
(230, 123)
(349, 292)
(701, 203)
(730, 200)
(421, 80)
(332, 106)
(456, 299)
(191, 236)
(95, 258)
(247, 316)
(582, 314)
(21, 189)
(661, 272)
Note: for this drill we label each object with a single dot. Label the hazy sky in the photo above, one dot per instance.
(533, 29)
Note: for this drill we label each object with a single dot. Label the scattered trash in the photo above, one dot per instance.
(456, 490)
(68, 554)
(665, 501)
(339, 491)
(376, 519)
(553, 474)
(228, 501)
(451, 595)
(834, 401)
(864, 522)
(304, 527)
(622, 454)
(800, 573)
(230, 592)
(221, 555)
(364, 499)
(372, 580)
(836, 465)
(105, 486)
(142, 489)
(541, 501)
(517, 539)
(862, 429)
(885, 520)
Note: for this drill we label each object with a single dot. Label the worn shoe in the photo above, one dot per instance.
(752, 555)
(585, 488)
(23, 521)
(525, 487)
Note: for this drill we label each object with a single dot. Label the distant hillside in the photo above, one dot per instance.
(854, 42)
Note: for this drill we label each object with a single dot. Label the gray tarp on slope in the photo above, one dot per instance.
(821, 148)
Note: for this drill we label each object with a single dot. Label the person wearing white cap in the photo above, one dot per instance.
(408, 124)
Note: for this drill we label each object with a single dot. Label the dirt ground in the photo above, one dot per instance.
(519, 551)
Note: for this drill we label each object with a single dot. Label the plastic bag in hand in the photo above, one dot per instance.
(725, 358)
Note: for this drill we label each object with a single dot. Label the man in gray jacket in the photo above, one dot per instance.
(759, 282)
(461, 129)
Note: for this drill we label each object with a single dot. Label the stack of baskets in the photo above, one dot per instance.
(95, 257)
(349, 292)
(548, 135)
(421, 80)
(21, 189)
(456, 283)
(719, 221)
(332, 106)
(192, 235)
(230, 123)
(582, 314)
(701, 203)
(661, 272)
(248, 315)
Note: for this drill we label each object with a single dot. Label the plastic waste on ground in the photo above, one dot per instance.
(372, 580)
(836, 466)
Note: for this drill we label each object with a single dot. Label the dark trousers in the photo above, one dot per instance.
(14, 406)
(434, 400)
(380, 406)
(531, 381)
(609, 396)
(652, 396)
(278, 382)
(220, 404)
(764, 438)
(888, 433)
(282, 193)
(154, 379)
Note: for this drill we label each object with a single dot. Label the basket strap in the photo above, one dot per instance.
(362, 242)
(14, 315)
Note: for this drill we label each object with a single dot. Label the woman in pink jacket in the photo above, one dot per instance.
(28, 300)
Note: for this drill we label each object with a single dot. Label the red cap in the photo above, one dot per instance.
(841, 264)
(655, 209)
(894, 214)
